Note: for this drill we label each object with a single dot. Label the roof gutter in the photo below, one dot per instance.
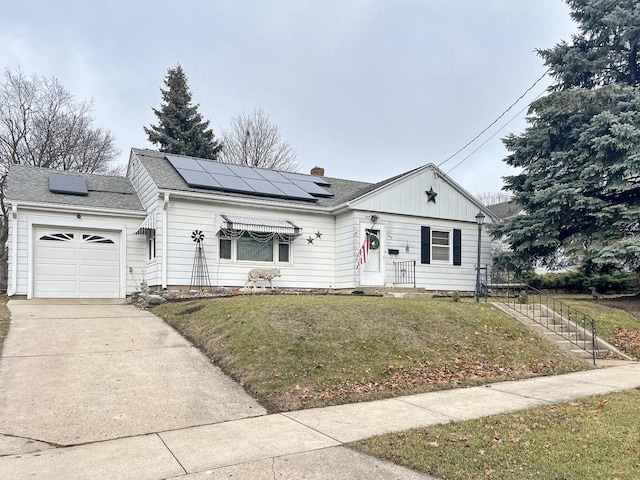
(77, 209)
(250, 202)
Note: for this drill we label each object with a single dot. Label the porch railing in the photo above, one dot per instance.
(405, 273)
(557, 316)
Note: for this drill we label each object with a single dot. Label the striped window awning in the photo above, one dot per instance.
(149, 224)
(260, 225)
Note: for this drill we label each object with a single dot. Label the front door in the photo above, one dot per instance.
(372, 272)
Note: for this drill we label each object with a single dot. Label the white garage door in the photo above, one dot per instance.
(71, 263)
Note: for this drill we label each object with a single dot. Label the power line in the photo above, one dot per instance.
(492, 136)
(495, 121)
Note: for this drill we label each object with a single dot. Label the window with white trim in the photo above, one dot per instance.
(444, 246)
(254, 247)
(440, 246)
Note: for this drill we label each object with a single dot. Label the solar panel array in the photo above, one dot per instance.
(243, 179)
(69, 184)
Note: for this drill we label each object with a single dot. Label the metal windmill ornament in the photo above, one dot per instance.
(200, 272)
(197, 236)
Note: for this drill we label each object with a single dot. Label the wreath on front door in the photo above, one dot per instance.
(374, 241)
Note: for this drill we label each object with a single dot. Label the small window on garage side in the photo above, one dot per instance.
(150, 236)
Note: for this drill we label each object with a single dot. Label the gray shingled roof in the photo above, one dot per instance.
(167, 178)
(31, 185)
(505, 210)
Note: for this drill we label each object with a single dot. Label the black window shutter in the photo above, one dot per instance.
(457, 247)
(425, 245)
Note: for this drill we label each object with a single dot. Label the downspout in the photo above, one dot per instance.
(14, 250)
(165, 235)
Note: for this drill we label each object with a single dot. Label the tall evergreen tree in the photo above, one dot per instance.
(580, 154)
(181, 129)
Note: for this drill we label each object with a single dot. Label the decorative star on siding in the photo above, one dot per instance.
(310, 239)
(318, 234)
(431, 195)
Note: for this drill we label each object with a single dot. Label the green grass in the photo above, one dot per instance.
(294, 352)
(4, 320)
(596, 438)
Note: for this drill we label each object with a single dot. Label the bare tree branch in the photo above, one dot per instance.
(41, 124)
(491, 198)
(253, 140)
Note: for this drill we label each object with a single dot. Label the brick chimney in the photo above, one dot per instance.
(317, 171)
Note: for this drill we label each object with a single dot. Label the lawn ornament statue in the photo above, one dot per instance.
(265, 274)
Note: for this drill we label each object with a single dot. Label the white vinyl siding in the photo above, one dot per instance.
(310, 264)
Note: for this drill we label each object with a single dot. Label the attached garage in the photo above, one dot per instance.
(76, 263)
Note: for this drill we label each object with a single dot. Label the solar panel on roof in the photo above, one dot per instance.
(312, 188)
(292, 190)
(306, 178)
(231, 182)
(69, 184)
(214, 167)
(199, 179)
(200, 173)
(245, 172)
(184, 163)
(263, 187)
(271, 175)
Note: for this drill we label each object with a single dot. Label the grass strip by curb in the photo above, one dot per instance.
(590, 438)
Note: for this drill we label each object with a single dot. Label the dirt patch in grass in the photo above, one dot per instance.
(294, 352)
(592, 438)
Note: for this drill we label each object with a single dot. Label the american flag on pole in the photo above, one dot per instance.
(363, 254)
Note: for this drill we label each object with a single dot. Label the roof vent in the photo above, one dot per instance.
(69, 184)
(317, 171)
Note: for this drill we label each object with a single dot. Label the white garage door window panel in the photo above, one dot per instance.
(73, 263)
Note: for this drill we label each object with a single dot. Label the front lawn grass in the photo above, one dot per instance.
(292, 352)
(595, 438)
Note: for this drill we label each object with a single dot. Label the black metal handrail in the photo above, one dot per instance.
(561, 318)
(405, 273)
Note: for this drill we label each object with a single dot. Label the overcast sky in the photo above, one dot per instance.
(366, 89)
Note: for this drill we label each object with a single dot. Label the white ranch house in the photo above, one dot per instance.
(85, 236)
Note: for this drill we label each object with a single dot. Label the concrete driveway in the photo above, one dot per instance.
(76, 372)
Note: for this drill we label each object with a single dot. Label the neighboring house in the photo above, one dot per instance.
(81, 235)
(505, 210)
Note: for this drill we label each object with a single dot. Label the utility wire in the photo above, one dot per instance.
(492, 136)
(496, 120)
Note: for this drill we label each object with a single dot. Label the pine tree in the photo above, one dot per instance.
(181, 129)
(580, 154)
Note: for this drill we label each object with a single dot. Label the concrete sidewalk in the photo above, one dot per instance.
(303, 444)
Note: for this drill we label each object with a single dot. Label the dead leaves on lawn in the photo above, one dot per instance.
(460, 372)
(627, 340)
